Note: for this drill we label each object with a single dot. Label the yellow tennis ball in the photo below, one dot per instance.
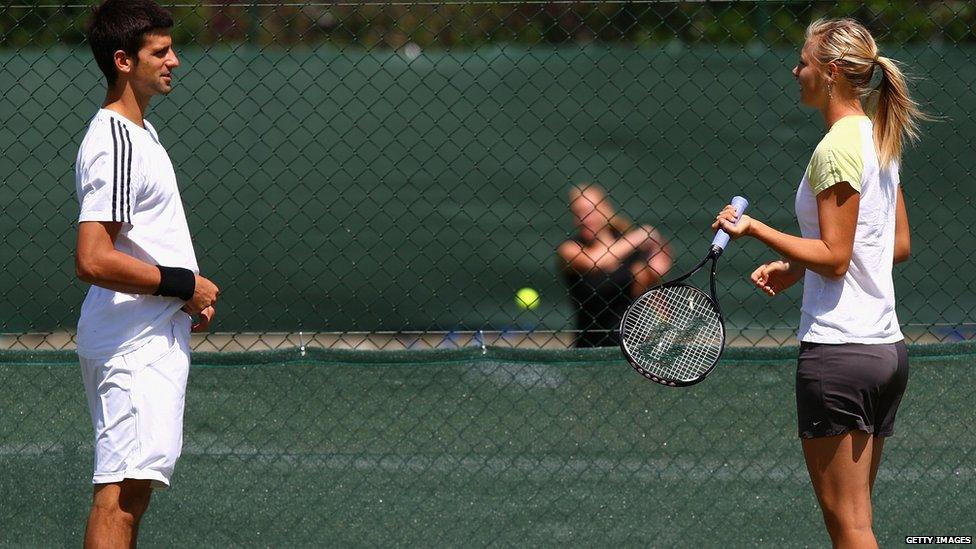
(527, 298)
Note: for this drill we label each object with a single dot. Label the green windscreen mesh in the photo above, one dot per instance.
(363, 175)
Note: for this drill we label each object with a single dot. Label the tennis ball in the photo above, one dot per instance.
(527, 298)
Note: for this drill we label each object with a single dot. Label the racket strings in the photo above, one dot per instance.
(674, 332)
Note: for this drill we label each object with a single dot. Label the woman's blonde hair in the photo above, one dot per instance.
(598, 197)
(851, 47)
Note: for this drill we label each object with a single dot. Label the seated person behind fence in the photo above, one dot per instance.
(608, 264)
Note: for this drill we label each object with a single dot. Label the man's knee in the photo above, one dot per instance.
(128, 499)
(134, 497)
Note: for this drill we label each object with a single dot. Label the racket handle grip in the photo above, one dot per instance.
(721, 237)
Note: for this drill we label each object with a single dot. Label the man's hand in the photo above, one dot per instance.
(204, 295)
(202, 324)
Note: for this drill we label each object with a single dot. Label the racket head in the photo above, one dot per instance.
(673, 334)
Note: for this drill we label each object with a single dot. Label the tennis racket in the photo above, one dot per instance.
(674, 333)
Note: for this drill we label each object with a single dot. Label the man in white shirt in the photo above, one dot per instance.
(134, 248)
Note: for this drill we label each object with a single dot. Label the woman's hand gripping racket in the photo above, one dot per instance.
(674, 333)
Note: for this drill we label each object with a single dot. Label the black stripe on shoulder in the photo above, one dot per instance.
(122, 161)
(115, 169)
(123, 153)
(127, 198)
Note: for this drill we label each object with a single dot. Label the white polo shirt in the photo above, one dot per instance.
(860, 306)
(124, 174)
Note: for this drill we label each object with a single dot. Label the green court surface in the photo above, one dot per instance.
(459, 448)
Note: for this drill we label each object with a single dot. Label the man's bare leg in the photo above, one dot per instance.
(116, 511)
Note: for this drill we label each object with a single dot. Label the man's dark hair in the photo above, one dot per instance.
(121, 25)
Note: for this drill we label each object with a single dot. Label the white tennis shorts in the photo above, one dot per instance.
(136, 403)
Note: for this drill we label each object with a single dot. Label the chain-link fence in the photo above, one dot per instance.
(385, 176)
(389, 174)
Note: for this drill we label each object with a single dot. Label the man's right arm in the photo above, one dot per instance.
(98, 262)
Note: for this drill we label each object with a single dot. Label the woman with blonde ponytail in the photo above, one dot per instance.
(852, 368)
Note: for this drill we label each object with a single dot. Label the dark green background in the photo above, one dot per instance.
(342, 190)
(456, 448)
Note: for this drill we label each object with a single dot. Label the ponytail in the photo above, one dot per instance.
(895, 115)
(894, 112)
